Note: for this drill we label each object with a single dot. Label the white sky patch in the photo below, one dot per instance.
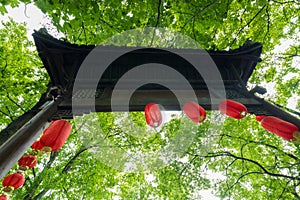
(33, 17)
(292, 102)
(206, 194)
(129, 14)
(284, 45)
(150, 178)
(270, 88)
(116, 197)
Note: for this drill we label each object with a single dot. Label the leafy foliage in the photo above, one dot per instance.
(246, 161)
(22, 78)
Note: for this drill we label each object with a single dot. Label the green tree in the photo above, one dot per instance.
(22, 77)
(254, 163)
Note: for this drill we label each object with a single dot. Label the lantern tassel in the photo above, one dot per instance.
(296, 135)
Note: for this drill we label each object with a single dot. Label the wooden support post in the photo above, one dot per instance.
(17, 144)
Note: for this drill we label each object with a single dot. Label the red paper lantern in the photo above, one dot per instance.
(153, 115)
(55, 135)
(3, 197)
(27, 162)
(233, 109)
(260, 117)
(282, 128)
(13, 181)
(37, 145)
(194, 111)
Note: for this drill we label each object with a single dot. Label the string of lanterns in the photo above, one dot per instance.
(233, 109)
(52, 139)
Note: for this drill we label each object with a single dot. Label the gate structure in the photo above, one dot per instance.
(62, 61)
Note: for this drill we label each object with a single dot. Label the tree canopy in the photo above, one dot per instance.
(250, 162)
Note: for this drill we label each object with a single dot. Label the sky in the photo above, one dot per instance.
(32, 16)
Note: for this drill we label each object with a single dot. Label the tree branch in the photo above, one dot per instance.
(71, 161)
(18, 105)
(264, 144)
(268, 20)
(157, 21)
(39, 178)
(282, 192)
(4, 113)
(158, 13)
(285, 2)
(238, 180)
(228, 154)
(3, 70)
(248, 23)
(262, 167)
(185, 167)
(9, 113)
(40, 195)
(199, 12)
(82, 25)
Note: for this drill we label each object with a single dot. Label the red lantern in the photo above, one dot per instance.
(194, 111)
(13, 181)
(233, 109)
(153, 115)
(3, 197)
(37, 145)
(260, 117)
(27, 162)
(55, 135)
(282, 128)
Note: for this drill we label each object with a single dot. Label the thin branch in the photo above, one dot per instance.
(248, 23)
(3, 70)
(282, 192)
(157, 21)
(40, 195)
(66, 192)
(262, 167)
(268, 20)
(199, 12)
(40, 177)
(158, 13)
(71, 161)
(4, 113)
(285, 2)
(295, 190)
(238, 180)
(288, 56)
(265, 171)
(262, 143)
(14, 102)
(109, 25)
(33, 172)
(9, 113)
(185, 167)
(226, 170)
(82, 25)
